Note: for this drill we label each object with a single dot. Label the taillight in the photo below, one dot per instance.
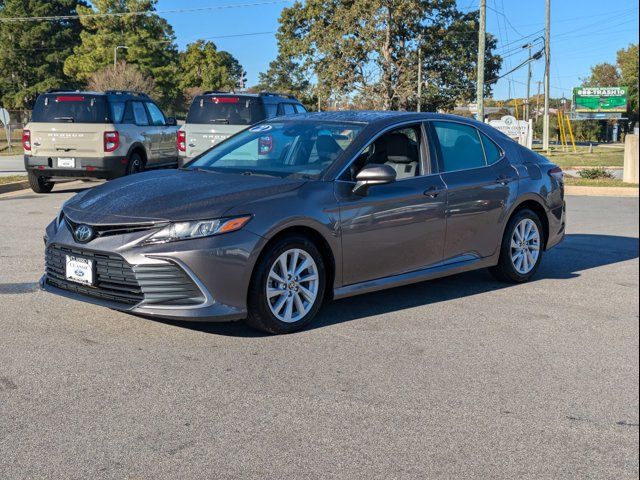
(557, 173)
(265, 145)
(111, 141)
(26, 140)
(181, 140)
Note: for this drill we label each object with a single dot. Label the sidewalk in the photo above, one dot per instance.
(11, 165)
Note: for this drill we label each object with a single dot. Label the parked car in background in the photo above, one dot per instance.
(95, 134)
(215, 116)
(297, 209)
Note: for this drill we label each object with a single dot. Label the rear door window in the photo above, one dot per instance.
(70, 108)
(139, 113)
(157, 117)
(300, 109)
(226, 110)
(287, 109)
(460, 147)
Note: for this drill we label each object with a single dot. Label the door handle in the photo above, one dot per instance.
(433, 191)
(504, 180)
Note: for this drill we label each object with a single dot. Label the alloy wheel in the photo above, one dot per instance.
(292, 285)
(525, 246)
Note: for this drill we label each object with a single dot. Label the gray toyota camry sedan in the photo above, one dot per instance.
(271, 222)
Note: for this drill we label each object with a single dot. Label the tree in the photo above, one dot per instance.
(627, 60)
(603, 75)
(121, 77)
(204, 67)
(148, 38)
(32, 52)
(284, 75)
(368, 48)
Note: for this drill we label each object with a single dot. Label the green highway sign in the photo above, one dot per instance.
(600, 99)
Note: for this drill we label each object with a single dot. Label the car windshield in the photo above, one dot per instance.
(282, 149)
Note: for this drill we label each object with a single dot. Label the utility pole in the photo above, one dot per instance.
(482, 30)
(419, 72)
(538, 100)
(527, 113)
(547, 73)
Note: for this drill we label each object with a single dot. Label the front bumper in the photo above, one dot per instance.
(135, 279)
(86, 167)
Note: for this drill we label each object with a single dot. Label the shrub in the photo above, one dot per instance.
(594, 173)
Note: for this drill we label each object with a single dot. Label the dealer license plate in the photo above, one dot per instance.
(80, 270)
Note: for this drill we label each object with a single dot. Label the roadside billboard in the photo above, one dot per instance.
(600, 99)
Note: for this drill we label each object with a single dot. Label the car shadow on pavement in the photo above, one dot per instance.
(577, 253)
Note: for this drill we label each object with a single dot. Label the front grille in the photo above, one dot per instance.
(117, 281)
(108, 230)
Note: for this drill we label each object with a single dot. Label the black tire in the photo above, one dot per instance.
(136, 164)
(259, 313)
(505, 271)
(39, 184)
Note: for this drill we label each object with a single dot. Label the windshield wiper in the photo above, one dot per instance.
(219, 120)
(66, 119)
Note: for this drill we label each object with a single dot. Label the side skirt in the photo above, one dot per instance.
(461, 264)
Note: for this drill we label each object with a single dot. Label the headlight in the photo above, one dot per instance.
(197, 229)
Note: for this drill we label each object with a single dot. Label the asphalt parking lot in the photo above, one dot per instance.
(459, 377)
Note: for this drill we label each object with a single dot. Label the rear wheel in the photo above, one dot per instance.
(521, 249)
(39, 184)
(288, 286)
(136, 164)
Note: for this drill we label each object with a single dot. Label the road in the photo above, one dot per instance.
(11, 165)
(455, 378)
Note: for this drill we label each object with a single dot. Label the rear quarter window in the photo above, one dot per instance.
(70, 108)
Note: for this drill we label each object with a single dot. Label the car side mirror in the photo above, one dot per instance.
(373, 175)
(172, 122)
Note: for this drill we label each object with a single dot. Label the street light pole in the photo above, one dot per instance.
(527, 113)
(115, 54)
(547, 73)
(481, 47)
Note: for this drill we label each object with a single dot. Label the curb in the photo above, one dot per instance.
(601, 191)
(12, 187)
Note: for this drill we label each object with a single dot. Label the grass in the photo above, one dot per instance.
(601, 157)
(14, 150)
(12, 179)
(599, 182)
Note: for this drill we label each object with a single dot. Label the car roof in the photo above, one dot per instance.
(272, 95)
(110, 94)
(377, 117)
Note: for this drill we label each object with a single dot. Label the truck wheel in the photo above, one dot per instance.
(135, 165)
(39, 184)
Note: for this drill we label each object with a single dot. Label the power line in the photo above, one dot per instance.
(143, 13)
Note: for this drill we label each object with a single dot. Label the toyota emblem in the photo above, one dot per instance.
(83, 233)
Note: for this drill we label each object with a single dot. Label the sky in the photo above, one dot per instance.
(583, 33)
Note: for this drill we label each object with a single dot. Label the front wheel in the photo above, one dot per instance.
(287, 287)
(39, 184)
(521, 249)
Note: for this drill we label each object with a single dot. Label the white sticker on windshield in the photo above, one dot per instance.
(260, 128)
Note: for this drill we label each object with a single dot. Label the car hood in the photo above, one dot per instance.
(171, 195)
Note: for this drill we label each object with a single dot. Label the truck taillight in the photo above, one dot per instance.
(26, 140)
(111, 141)
(557, 173)
(181, 140)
